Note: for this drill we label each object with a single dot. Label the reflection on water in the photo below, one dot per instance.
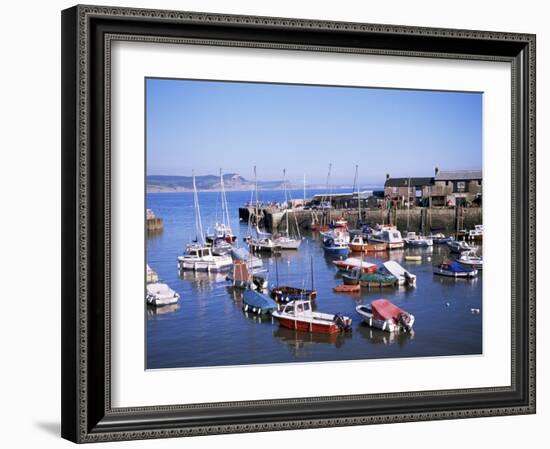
(299, 342)
(208, 327)
(376, 336)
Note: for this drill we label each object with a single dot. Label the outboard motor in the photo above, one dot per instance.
(341, 322)
(404, 321)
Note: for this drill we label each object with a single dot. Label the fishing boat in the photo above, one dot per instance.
(336, 247)
(347, 288)
(417, 241)
(285, 293)
(388, 235)
(285, 241)
(222, 229)
(299, 315)
(359, 243)
(352, 263)
(459, 246)
(384, 315)
(242, 277)
(257, 302)
(244, 255)
(371, 280)
(198, 255)
(455, 270)
(159, 294)
(403, 276)
(471, 260)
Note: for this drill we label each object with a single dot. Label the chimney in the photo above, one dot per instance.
(436, 170)
(387, 176)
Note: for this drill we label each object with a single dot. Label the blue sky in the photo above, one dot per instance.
(208, 125)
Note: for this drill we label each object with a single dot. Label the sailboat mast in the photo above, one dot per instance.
(286, 202)
(329, 187)
(408, 202)
(304, 202)
(198, 221)
(225, 211)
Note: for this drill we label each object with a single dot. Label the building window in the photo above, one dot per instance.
(394, 190)
(460, 186)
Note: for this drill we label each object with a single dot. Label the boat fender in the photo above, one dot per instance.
(259, 311)
(246, 307)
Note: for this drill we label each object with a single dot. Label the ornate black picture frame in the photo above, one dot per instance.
(87, 413)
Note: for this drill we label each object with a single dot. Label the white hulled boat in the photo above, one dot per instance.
(198, 255)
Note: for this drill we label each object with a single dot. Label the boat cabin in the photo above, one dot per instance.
(194, 250)
(299, 307)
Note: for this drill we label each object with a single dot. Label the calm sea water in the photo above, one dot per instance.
(209, 328)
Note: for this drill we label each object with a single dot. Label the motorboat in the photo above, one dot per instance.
(221, 247)
(352, 262)
(470, 259)
(403, 276)
(371, 280)
(359, 243)
(455, 270)
(300, 316)
(159, 294)
(388, 235)
(199, 257)
(258, 303)
(459, 246)
(336, 247)
(416, 241)
(384, 315)
(262, 244)
(347, 288)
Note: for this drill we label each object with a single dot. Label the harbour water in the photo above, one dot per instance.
(208, 327)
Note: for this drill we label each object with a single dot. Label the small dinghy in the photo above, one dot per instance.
(347, 288)
(403, 276)
(259, 303)
(455, 270)
(384, 315)
(410, 258)
(439, 238)
(159, 294)
(352, 262)
(298, 315)
(371, 280)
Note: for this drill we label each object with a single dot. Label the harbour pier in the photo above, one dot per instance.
(423, 219)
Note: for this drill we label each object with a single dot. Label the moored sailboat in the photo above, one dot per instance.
(198, 255)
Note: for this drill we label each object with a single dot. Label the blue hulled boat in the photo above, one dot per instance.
(259, 303)
(336, 247)
(455, 270)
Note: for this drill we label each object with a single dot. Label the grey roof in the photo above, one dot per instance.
(458, 175)
(404, 182)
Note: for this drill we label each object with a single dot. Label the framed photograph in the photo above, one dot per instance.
(277, 223)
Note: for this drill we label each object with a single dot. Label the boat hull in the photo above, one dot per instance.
(368, 247)
(305, 326)
(209, 266)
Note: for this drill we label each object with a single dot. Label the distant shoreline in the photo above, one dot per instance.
(161, 189)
